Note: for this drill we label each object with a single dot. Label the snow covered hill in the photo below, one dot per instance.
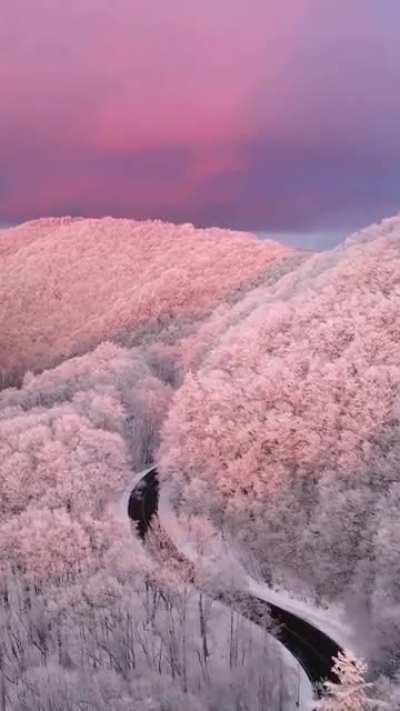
(291, 419)
(265, 376)
(68, 284)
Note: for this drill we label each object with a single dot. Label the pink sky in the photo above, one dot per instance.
(265, 115)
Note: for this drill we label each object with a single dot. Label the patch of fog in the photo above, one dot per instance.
(315, 241)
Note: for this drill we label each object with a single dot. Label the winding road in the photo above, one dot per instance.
(309, 645)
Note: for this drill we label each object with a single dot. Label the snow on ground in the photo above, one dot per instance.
(220, 562)
(330, 621)
(216, 560)
(184, 539)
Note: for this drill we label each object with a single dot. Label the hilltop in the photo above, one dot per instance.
(68, 284)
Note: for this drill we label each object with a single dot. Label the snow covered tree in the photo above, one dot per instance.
(349, 694)
(293, 394)
(81, 282)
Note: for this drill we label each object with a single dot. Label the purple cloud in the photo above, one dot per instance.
(279, 115)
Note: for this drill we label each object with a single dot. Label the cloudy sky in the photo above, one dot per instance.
(269, 115)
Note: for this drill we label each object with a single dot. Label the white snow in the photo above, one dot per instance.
(219, 561)
(331, 621)
(184, 542)
(219, 556)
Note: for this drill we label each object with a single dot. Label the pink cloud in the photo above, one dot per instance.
(83, 83)
(147, 75)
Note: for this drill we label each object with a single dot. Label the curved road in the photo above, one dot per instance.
(312, 648)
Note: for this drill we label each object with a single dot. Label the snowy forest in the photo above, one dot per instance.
(264, 382)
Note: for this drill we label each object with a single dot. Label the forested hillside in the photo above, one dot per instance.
(67, 284)
(82, 605)
(264, 381)
(296, 402)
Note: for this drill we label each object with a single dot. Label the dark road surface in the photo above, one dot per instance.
(311, 647)
(143, 502)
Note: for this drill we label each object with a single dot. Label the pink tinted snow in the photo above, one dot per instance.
(66, 285)
(300, 378)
